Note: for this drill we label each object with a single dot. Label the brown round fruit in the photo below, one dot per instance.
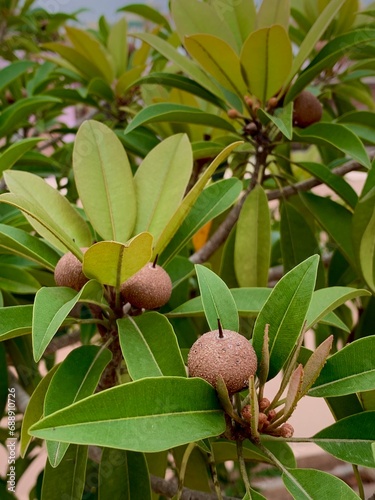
(230, 355)
(149, 288)
(307, 109)
(68, 272)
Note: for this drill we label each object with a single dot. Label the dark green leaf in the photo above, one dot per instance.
(12, 72)
(9, 157)
(15, 321)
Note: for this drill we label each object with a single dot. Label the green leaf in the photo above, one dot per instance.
(68, 479)
(219, 59)
(118, 47)
(266, 59)
(327, 299)
(199, 17)
(214, 200)
(125, 417)
(327, 57)
(249, 302)
(335, 219)
(252, 248)
(315, 364)
(76, 378)
(335, 182)
(15, 321)
(311, 484)
(117, 261)
(313, 36)
(190, 199)
(19, 242)
(89, 47)
(282, 118)
(273, 12)
(285, 311)
(150, 338)
(14, 279)
(51, 307)
(72, 60)
(17, 114)
(123, 474)
(35, 409)
(9, 157)
(362, 123)
(348, 371)
(12, 72)
(218, 302)
(147, 12)
(49, 213)
(336, 135)
(160, 183)
(239, 16)
(350, 439)
(182, 62)
(177, 113)
(104, 181)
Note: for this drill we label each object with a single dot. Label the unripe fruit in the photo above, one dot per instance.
(149, 288)
(307, 109)
(68, 272)
(225, 353)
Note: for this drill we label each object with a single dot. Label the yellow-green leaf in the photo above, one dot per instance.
(273, 12)
(266, 59)
(118, 47)
(219, 59)
(111, 263)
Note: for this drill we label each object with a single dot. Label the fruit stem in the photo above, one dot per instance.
(155, 260)
(221, 335)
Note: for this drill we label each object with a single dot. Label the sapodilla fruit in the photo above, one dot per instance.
(226, 353)
(68, 272)
(307, 109)
(149, 288)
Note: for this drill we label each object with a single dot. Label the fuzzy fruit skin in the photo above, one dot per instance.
(149, 288)
(307, 109)
(232, 357)
(68, 272)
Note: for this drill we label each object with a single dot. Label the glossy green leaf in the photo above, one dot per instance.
(327, 57)
(117, 46)
(35, 409)
(149, 346)
(147, 12)
(89, 47)
(179, 269)
(125, 417)
(123, 474)
(363, 230)
(177, 113)
(219, 59)
(249, 301)
(11, 72)
(190, 199)
(118, 261)
(282, 118)
(335, 182)
(347, 371)
(15, 321)
(273, 12)
(50, 214)
(199, 17)
(186, 65)
(183, 83)
(266, 59)
(362, 123)
(336, 135)
(14, 279)
(313, 36)
(285, 311)
(213, 201)
(77, 377)
(17, 114)
(239, 16)
(335, 219)
(311, 484)
(350, 439)
(218, 302)
(19, 242)
(252, 248)
(104, 181)
(160, 183)
(51, 307)
(328, 299)
(68, 479)
(9, 157)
